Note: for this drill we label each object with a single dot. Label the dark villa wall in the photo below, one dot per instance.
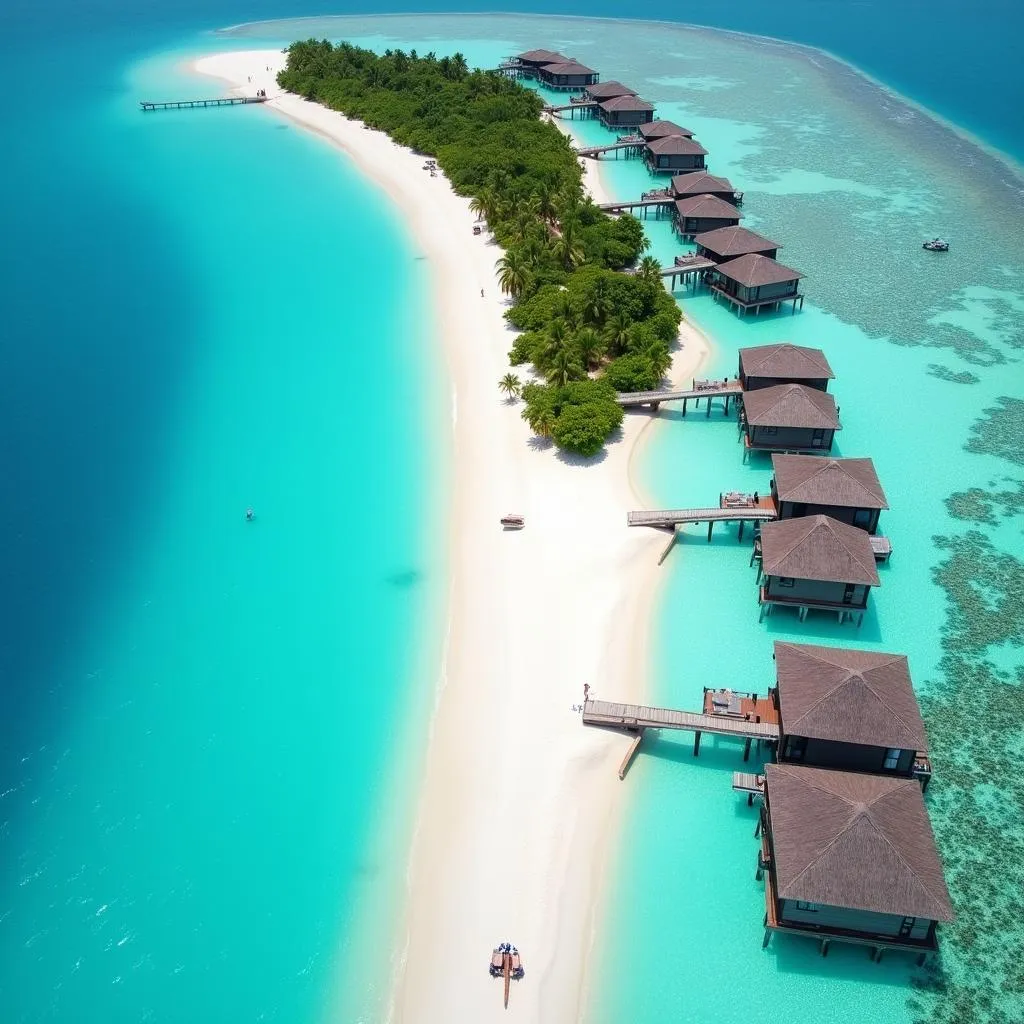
(786, 438)
(761, 293)
(756, 383)
(852, 757)
(813, 591)
(862, 518)
(698, 225)
(568, 81)
(680, 162)
(865, 921)
(619, 118)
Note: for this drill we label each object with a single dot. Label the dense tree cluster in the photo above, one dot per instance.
(578, 316)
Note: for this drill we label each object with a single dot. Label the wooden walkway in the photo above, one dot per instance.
(658, 202)
(222, 101)
(628, 142)
(581, 105)
(669, 519)
(726, 390)
(637, 716)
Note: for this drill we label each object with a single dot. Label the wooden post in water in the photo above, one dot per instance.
(634, 747)
(696, 743)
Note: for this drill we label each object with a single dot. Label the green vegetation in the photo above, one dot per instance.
(578, 315)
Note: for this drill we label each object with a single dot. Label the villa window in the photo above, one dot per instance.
(892, 759)
(811, 908)
(769, 431)
(785, 581)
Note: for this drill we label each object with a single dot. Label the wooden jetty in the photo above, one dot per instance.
(657, 199)
(726, 390)
(632, 144)
(220, 101)
(684, 267)
(588, 106)
(638, 718)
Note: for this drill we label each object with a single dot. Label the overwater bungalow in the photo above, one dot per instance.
(816, 562)
(727, 243)
(788, 417)
(625, 112)
(754, 281)
(850, 858)
(764, 366)
(700, 183)
(663, 129)
(534, 60)
(674, 153)
(607, 91)
(567, 75)
(697, 214)
(849, 710)
(848, 490)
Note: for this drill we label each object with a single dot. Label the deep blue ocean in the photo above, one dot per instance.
(140, 412)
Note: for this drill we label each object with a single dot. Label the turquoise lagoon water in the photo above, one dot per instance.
(199, 753)
(206, 765)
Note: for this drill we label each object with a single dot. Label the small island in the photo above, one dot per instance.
(589, 328)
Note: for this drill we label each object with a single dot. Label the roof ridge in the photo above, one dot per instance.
(831, 525)
(828, 693)
(885, 703)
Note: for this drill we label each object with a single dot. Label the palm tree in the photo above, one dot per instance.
(590, 346)
(557, 337)
(511, 385)
(546, 208)
(562, 309)
(649, 270)
(513, 274)
(659, 357)
(597, 304)
(566, 248)
(541, 419)
(564, 368)
(617, 332)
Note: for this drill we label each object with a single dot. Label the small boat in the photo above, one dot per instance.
(250, 515)
(936, 245)
(513, 522)
(506, 963)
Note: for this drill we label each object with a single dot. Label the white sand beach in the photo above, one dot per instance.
(518, 805)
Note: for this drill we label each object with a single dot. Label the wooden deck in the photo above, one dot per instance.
(882, 547)
(634, 142)
(749, 783)
(222, 101)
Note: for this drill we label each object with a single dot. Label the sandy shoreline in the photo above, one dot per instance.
(518, 803)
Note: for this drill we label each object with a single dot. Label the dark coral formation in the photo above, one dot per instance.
(945, 373)
(975, 719)
(1000, 432)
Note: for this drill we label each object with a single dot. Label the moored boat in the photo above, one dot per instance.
(936, 245)
(513, 521)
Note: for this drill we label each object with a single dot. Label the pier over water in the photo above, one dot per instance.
(221, 101)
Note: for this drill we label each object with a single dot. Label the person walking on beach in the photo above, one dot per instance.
(481, 293)
(586, 692)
